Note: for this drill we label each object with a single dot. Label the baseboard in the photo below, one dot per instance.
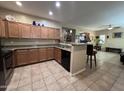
(78, 72)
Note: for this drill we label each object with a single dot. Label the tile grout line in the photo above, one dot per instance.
(19, 81)
(53, 76)
(116, 80)
(93, 82)
(43, 79)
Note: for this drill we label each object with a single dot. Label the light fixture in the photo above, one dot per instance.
(18, 3)
(70, 31)
(58, 4)
(50, 13)
(110, 27)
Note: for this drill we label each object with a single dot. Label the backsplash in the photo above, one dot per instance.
(27, 42)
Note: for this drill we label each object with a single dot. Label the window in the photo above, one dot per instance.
(102, 39)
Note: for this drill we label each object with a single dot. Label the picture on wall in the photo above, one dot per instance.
(117, 35)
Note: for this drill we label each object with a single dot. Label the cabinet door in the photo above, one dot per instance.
(33, 55)
(20, 26)
(44, 32)
(26, 31)
(57, 33)
(35, 31)
(2, 28)
(50, 33)
(21, 57)
(50, 53)
(42, 54)
(57, 55)
(12, 29)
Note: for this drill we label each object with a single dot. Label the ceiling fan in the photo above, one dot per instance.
(109, 27)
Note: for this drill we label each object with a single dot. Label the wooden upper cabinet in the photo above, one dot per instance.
(51, 33)
(42, 54)
(12, 29)
(44, 32)
(56, 34)
(35, 31)
(20, 26)
(25, 30)
(2, 28)
(22, 30)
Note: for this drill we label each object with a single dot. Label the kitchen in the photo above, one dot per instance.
(40, 53)
(63, 53)
(43, 46)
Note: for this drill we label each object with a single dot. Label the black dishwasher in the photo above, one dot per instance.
(65, 59)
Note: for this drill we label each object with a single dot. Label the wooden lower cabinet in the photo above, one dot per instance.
(42, 54)
(50, 53)
(57, 55)
(33, 55)
(22, 57)
(28, 56)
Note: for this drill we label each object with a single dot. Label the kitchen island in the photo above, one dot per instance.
(77, 58)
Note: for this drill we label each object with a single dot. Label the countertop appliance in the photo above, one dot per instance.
(6, 67)
(66, 60)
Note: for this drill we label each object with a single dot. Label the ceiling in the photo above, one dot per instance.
(89, 14)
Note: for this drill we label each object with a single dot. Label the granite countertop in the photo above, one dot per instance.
(80, 44)
(13, 48)
(63, 46)
(66, 49)
(30, 47)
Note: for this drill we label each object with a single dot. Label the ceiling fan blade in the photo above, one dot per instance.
(103, 26)
(116, 27)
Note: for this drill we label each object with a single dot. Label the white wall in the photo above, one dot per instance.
(24, 18)
(113, 42)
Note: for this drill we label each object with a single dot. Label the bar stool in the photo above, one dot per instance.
(91, 52)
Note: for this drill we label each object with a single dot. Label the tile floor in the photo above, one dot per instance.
(50, 76)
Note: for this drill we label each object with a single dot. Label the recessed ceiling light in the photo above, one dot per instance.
(18, 3)
(70, 31)
(58, 4)
(50, 13)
